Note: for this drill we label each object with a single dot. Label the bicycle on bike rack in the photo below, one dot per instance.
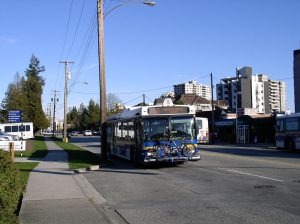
(171, 149)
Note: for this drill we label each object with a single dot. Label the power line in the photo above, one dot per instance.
(67, 31)
(84, 93)
(144, 91)
(78, 23)
(132, 100)
(64, 44)
(86, 51)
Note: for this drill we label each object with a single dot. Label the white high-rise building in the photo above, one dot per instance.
(193, 87)
(253, 91)
(259, 90)
(277, 96)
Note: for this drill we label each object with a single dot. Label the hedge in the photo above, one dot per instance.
(11, 189)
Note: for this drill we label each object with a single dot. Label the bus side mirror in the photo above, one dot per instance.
(168, 132)
(194, 132)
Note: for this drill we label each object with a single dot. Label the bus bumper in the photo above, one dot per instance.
(166, 159)
(195, 158)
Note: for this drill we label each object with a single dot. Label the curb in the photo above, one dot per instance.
(92, 168)
(87, 169)
(110, 214)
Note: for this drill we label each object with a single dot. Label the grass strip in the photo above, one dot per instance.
(25, 168)
(39, 149)
(78, 157)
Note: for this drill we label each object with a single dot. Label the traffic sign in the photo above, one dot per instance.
(14, 116)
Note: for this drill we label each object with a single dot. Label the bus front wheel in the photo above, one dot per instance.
(290, 145)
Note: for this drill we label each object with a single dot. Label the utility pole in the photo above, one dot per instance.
(279, 96)
(212, 105)
(54, 110)
(144, 100)
(67, 77)
(49, 113)
(102, 82)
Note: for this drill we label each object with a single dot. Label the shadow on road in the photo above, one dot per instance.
(251, 151)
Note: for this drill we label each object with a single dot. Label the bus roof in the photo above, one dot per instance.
(156, 110)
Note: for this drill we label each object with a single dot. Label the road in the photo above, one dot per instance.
(228, 185)
(90, 143)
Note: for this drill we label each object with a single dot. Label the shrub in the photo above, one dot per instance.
(11, 189)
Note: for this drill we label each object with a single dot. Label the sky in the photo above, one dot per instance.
(147, 49)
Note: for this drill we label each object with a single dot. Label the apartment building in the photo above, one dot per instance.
(236, 90)
(252, 91)
(193, 87)
(277, 96)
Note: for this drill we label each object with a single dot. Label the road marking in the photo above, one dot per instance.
(245, 157)
(254, 175)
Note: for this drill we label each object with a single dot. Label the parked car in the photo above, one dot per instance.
(47, 133)
(96, 132)
(87, 133)
(8, 137)
(74, 133)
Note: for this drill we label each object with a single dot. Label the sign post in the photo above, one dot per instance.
(12, 151)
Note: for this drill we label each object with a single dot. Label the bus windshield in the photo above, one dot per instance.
(155, 128)
(182, 127)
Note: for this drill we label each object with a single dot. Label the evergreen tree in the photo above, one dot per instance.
(73, 118)
(85, 119)
(14, 97)
(33, 90)
(94, 114)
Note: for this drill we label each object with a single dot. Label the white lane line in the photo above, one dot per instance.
(254, 175)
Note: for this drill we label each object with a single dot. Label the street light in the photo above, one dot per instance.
(149, 3)
(102, 82)
(73, 83)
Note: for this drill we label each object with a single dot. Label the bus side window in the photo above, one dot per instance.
(292, 124)
(21, 128)
(7, 129)
(118, 130)
(15, 128)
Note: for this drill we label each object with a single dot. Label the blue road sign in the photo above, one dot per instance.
(14, 116)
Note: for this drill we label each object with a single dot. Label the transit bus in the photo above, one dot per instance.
(288, 132)
(202, 130)
(154, 134)
(24, 129)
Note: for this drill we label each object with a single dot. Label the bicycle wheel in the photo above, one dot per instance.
(160, 152)
(189, 150)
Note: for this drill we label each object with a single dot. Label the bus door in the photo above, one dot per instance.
(138, 140)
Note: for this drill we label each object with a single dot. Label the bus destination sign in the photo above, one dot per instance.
(168, 110)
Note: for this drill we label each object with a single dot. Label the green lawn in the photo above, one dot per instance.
(78, 157)
(25, 169)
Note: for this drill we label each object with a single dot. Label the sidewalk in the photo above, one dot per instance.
(56, 195)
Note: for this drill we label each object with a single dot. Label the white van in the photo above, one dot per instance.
(24, 129)
(202, 130)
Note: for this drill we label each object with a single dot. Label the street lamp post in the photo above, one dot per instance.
(102, 82)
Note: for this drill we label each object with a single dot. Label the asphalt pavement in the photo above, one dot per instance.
(55, 194)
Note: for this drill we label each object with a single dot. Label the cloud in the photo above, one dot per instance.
(5, 41)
